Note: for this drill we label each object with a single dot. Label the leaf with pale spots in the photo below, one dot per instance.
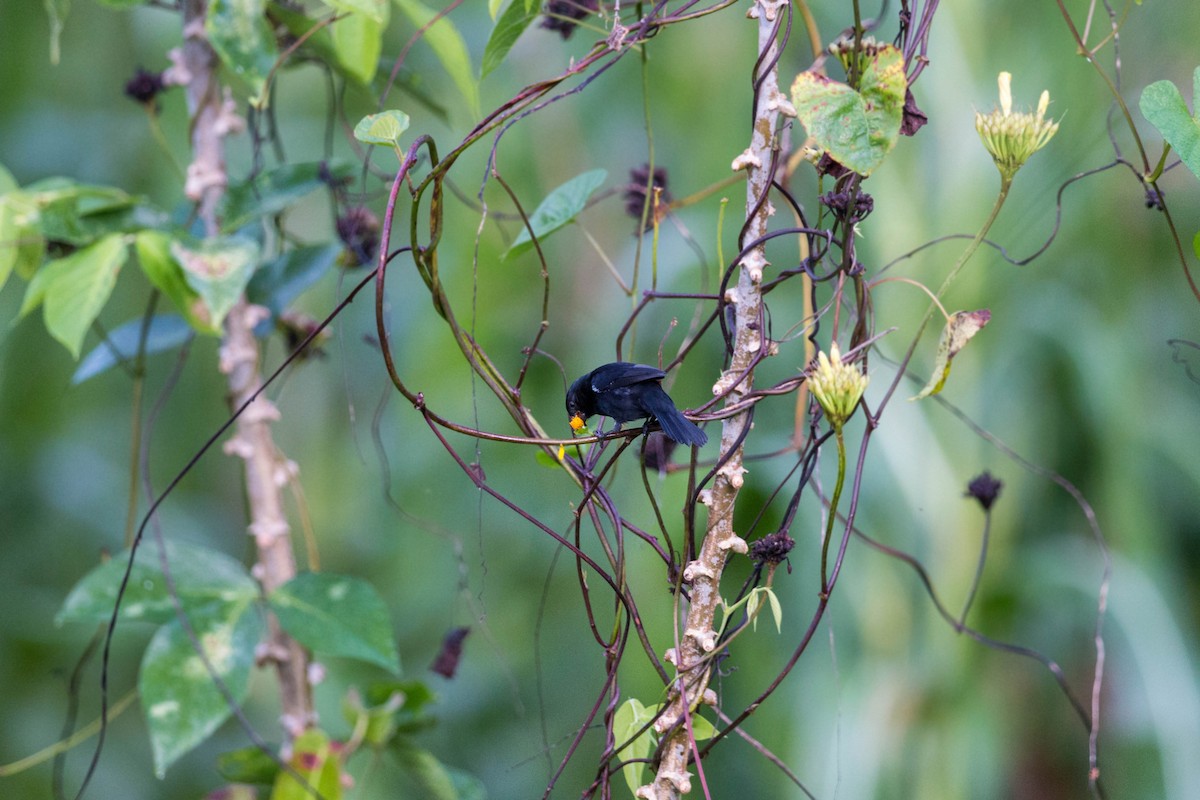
(201, 577)
(337, 615)
(217, 270)
(959, 330)
(182, 704)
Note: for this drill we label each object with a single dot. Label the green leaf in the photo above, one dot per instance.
(1163, 105)
(857, 128)
(274, 191)
(165, 332)
(277, 283)
(75, 288)
(217, 270)
(247, 765)
(702, 729)
(358, 41)
(154, 256)
(337, 615)
(384, 128)
(961, 327)
(182, 705)
(376, 10)
(1196, 244)
(314, 759)
(560, 207)
(630, 718)
(451, 50)
(238, 31)
(201, 576)
(512, 23)
(430, 777)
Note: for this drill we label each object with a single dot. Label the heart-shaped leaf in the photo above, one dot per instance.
(1162, 103)
(857, 128)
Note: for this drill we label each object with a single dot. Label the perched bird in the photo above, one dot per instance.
(624, 391)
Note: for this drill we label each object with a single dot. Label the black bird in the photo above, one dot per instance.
(624, 391)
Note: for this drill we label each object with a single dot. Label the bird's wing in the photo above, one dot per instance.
(621, 373)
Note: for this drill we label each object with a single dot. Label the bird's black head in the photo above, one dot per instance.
(581, 402)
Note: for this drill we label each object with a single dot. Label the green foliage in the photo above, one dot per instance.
(857, 128)
(512, 23)
(238, 31)
(384, 128)
(317, 763)
(273, 191)
(162, 332)
(75, 288)
(1163, 105)
(217, 270)
(630, 719)
(358, 42)
(182, 704)
(451, 50)
(201, 577)
(337, 615)
(560, 207)
(377, 10)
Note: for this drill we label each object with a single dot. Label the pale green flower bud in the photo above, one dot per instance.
(1010, 137)
(837, 386)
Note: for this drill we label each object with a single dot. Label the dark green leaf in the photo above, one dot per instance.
(201, 576)
(272, 192)
(337, 615)
(165, 332)
(279, 282)
(512, 23)
(560, 207)
(182, 705)
(857, 128)
(1162, 103)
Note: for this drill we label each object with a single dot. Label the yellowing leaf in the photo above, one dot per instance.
(857, 128)
(963, 325)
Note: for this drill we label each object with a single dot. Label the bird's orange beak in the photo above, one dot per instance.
(576, 423)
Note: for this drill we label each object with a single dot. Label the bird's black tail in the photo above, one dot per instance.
(674, 424)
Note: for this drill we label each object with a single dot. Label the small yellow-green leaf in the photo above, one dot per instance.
(959, 330)
(384, 128)
(857, 128)
(154, 255)
(314, 760)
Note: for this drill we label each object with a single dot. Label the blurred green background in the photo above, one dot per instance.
(1074, 373)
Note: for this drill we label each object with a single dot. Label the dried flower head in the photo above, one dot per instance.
(837, 386)
(144, 87)
(563, 15)
(635, 193)
(1011, 137)
(772, 548)
(985, 489)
